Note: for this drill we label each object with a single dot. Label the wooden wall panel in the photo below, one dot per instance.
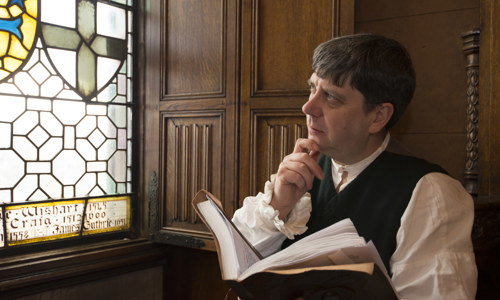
(194, 38)
(192, 158)
(281, 58)
(195, 65)
(274, 137)
(122, 286)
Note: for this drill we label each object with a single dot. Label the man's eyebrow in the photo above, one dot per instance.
(334, 93)
(327, 90)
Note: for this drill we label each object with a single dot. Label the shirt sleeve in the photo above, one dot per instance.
(258, 221)
(434, 258)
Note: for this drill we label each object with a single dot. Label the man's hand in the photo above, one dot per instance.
(295, 176)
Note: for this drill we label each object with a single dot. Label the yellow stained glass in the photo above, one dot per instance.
(15, 10)
(4, 45)
(4, 13)
(32, 8)
(11, 64)
(29, 26)
(17, 49)
(18, 27)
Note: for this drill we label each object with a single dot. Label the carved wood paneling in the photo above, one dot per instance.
(194, 48)
(471, 51)
(219, 64)
(194, 95)
(274, 137)
(192, 158)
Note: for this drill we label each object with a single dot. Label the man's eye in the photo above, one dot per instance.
(331, 97)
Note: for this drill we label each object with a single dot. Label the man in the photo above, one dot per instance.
(418, 217)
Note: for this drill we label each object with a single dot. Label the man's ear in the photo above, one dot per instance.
(383, 113)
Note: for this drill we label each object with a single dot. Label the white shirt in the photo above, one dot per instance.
(434, 256)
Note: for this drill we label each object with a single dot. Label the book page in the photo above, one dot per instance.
(245, 254)
(312, 250)
(356, 255)
(235, 253)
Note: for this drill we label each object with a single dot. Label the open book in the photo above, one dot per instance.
(335, 261)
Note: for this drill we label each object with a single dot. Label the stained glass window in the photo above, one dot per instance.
(65, 118)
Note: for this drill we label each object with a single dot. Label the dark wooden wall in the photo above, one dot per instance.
(271, 91)
(264, 106)
(224, 81)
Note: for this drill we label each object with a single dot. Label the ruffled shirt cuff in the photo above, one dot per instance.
(297, 219)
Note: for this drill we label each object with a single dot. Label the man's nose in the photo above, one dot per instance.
(312, 107)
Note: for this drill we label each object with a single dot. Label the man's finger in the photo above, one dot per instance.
(305, 146)
(305, 163)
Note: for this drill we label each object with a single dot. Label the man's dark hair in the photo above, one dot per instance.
(379, 67)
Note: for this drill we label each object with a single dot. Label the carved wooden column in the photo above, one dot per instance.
(486, 230)
(471, 51)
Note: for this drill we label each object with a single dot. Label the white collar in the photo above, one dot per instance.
(355, 169)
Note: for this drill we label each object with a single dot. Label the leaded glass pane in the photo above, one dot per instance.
(86, 12)
(24, 148)
(65, 62)
(39, 104)
(38, 136)
(87, 151)
(12, 107)
(51, 148)
(5, 135)
(39, 73)
(57, 36)
(9, 160)
(59, 12)
(69, 112)
(24, 124)
(51, 124)
(26, 84)
(86, 71)
(65, 117)
(114, 24)
(51, 87)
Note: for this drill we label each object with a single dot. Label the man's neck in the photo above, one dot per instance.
(373, 144)
(354, 169)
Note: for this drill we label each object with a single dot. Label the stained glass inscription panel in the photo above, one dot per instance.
(30, 223)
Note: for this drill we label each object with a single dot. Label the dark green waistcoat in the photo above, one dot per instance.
(375, 200)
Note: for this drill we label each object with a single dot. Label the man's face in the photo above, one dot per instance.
(337, 120)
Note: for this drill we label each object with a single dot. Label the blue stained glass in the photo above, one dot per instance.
(12, 26)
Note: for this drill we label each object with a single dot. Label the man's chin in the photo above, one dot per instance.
(314, 138)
